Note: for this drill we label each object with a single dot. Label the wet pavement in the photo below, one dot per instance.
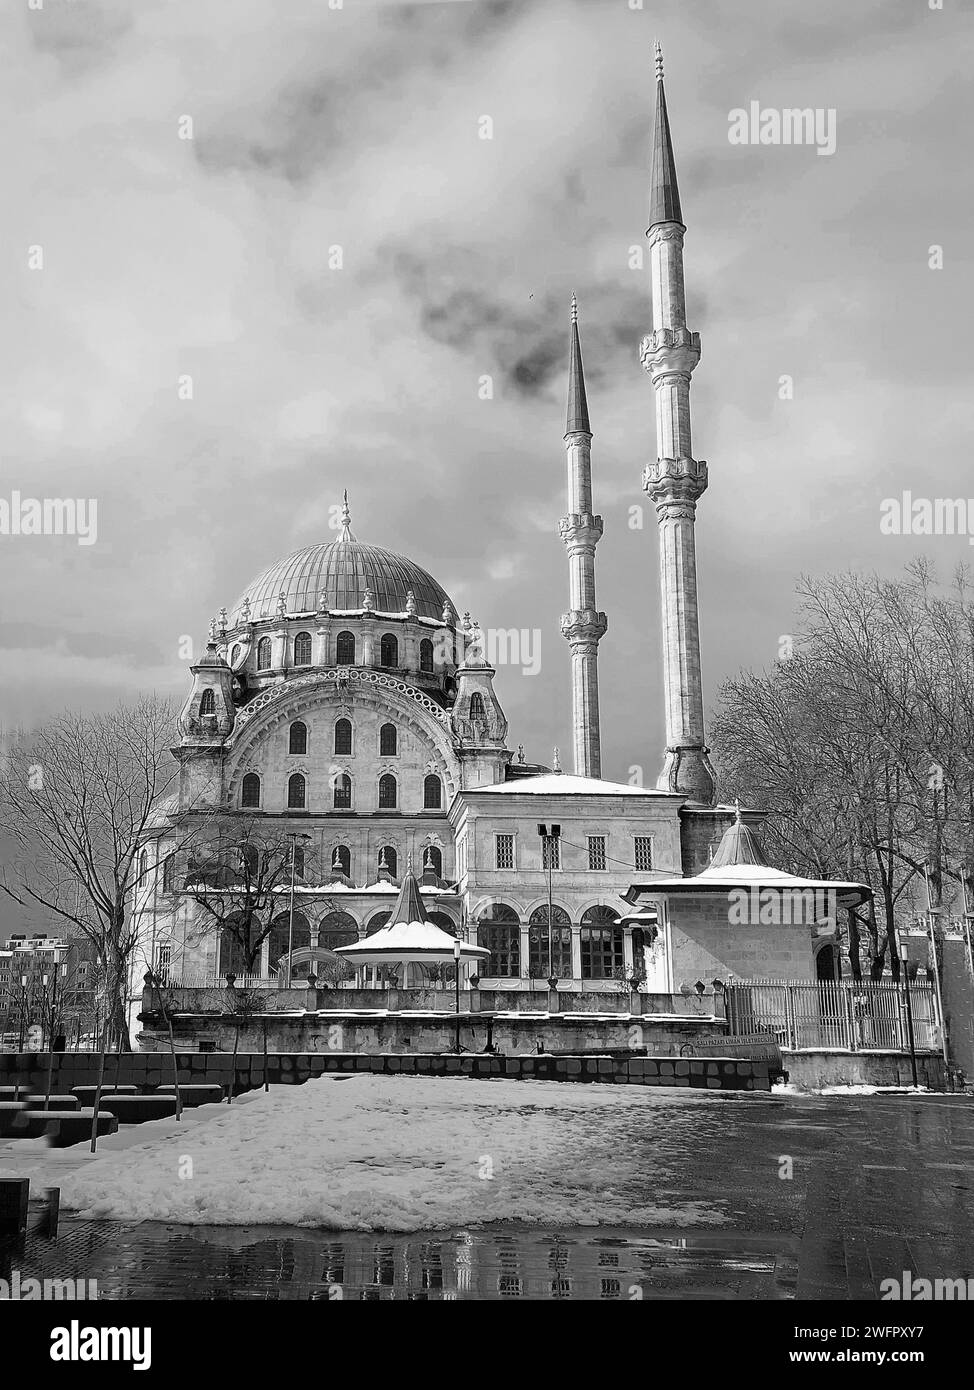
(816, 1197)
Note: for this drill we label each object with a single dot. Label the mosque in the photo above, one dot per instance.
(344, 707)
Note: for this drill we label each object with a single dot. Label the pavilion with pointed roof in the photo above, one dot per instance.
(741, 917)
(410, 938)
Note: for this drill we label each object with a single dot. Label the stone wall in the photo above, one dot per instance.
(185, 998)
(405, 1033)
(247, 1071)
(813, 1070)
(705, 944)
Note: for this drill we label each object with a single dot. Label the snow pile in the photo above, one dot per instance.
(403, 1154)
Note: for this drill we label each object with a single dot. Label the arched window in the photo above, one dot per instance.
(426, 655)
(143, 865)
(389, 859)
(602, 951)
(279, 936)
(343, 792)
(388, 741)
(298, 740)
(477, 710)
(433, 860)
(341, 861)
(302, 649)
(234, 656)
(345, 649)
(264, 654)
(249, 861)
(387, 792)
(250, 790)
(432, 793)
(499, 929)
(207, 702)
(296, 792)
(297, 851)
(343, 736)
(377, 922)
(445, 923)
(337, 929)
(539, 967)
(388, 650)
(169, 874)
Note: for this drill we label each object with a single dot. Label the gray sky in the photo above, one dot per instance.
(358, 127)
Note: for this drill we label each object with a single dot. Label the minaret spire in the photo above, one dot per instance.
(577, 404)
(583, 625)
(664, 201)
(677, 480)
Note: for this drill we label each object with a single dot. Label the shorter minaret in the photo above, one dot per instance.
(583, 625)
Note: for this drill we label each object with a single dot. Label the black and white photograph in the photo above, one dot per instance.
(487, 672)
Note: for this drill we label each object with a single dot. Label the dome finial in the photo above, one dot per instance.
(659, 61)
(346, 534)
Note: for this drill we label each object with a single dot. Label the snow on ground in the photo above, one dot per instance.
(399, 1154)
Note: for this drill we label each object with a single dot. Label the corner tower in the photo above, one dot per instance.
(583, 625)
(676, 480)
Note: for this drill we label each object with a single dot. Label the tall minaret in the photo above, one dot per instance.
(676, 480)
(583, 625)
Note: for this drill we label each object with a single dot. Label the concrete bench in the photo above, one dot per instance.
(135, 1110)
(194, 1094)
(62, 1127)
(86, 1094)
(37, 1102)
(9, 1110)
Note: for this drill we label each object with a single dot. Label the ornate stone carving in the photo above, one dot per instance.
(584, 627)
(669, 351)
(580, 530)
(675, 480)
(665, 231)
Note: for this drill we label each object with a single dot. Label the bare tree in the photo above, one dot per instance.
(76, 798)
(859, 745)
(238, 871)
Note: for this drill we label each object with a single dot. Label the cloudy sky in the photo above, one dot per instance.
(359, 127)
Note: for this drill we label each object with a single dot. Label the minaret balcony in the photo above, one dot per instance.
(675, 480)
(584, 625)
(668, 351)
(580, 530)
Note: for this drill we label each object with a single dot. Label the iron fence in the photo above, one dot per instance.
(851, 1015)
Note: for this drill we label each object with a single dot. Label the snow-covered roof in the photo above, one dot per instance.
(409, 941)
(725, 878)
(410, 935)
(564, 784)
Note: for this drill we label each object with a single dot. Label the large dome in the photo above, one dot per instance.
(342, 569)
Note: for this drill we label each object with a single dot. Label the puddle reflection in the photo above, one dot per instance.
(219, 1263)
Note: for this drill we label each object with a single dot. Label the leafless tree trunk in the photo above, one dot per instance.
(76, 798)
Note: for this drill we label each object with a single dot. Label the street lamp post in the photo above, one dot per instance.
(456, 972)
(547, 853)
(23, 1010)
(905, 976)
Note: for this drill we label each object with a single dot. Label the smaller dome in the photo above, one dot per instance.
(211, 657)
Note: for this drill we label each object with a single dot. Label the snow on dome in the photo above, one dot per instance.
(338, 574)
